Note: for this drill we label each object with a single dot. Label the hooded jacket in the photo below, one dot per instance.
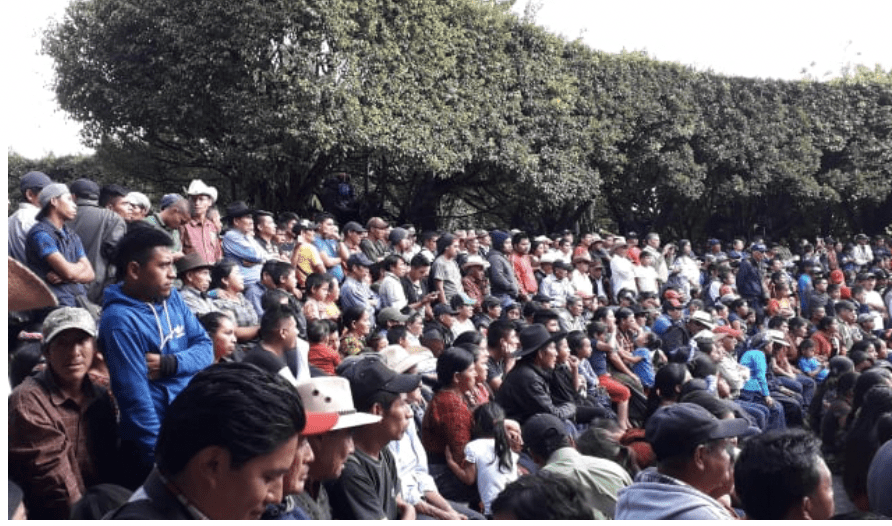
(128, 330)
(655, 496)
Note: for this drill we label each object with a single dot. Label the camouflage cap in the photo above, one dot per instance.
(67, 318)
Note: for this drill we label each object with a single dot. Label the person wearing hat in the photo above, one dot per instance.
(195, 273)
(463, 305)
(474, 283)
(100, 231)
(368, 487)
(579, 278)
(54, 252)
(553, 449)
(621, 267)
(239, 244)
(55, 414)
(400, 243)
(25, 217)
(328, 395)
(306, 258)
(557, 286)
(375, 245)
(353, 236)
(200, 234)
(355, 292)
(226, 445)
(171, 219)
(526, 390)
(694, 451)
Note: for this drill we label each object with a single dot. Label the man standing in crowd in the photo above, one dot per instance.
(750, 280)
(200, 234)
(170, 220)
(693, 451)
(375, 247)
(114, 197)
(152, 342)
(622, 270)
(54, 252)
(225, 446)
(62, 428)
(327, 243)
(445, 275)
(26, 216)
(100, 231)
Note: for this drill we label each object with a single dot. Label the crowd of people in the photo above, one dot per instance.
(201, 361)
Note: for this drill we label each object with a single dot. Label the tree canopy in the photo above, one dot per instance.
(459, 112)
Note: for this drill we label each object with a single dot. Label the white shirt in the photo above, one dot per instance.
(490, 479)
(622, 274)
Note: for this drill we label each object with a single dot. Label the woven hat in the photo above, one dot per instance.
(26, 290)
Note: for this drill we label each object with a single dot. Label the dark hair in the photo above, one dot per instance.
(775, 322)
(272, 319)
(516, 238)
(575, 340)
(211, 321)
(314, 281)
(273, 298)
(318, 331)
(390, 261)
(321, 217)
(396, 333)
(419, 260)
(452, 360)
(775, 471)
(220, 271)
(466, 338)
(278, 271)
(352, 314)
(498, 330)
(701, 365)
(489, 422)
(543, 496)
(236, 406)
(669, 377)
(826, 322)
(138, 245)
(596, 329)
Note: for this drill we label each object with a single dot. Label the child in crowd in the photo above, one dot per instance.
(809, 364)
(317, 295)
(490, 461)
(321, 354)
(648, 345)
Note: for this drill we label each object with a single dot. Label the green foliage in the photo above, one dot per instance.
(457, 111)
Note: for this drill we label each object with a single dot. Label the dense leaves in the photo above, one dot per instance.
(454, 112)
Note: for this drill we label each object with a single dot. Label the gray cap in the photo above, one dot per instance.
(67, 318)
(85, 189)
(169, 199)
(398, 234)
(50, 192)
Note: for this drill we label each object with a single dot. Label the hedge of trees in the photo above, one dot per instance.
(451, 112)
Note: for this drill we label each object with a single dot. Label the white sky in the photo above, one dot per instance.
(759, 38)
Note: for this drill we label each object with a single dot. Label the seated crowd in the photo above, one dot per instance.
(261, 365)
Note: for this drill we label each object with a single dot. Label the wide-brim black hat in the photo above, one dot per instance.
(534, 337)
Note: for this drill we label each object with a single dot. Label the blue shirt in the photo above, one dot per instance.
(44, 239)
(329, 247)
(241, 248)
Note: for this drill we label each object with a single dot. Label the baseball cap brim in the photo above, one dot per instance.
(355, 419)
(731, 428)
(402, 383)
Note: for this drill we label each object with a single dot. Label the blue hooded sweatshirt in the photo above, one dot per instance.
(128, 330)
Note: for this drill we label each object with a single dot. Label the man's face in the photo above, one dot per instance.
(327, 229)
(575, 308)
(244, 224)
(452, 250)
(122, 207)
(675, 314)
(266, 226)
(717, 466)
(331, 451)
(560, 272)
(654, 242)
(199, 279)
(289, 337)
(547, 357)
(511, 341)
(395, 420)
(552, 326)
(523, 246)
(70, 356)
(300, 468)
(245, 492)
(399, 270)
(821, 285)
(155, 278)
(66, 206)
(200, 204)
(419, 273)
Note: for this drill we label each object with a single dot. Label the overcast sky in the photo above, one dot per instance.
(775, 39)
